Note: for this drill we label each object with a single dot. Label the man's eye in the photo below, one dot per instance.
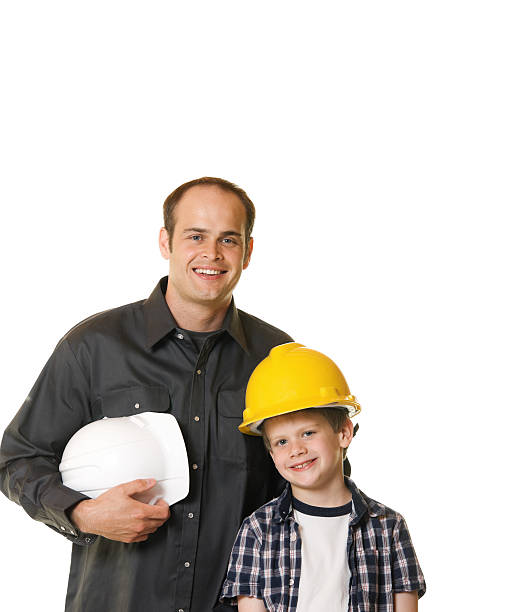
(195, 237)
(228, 241)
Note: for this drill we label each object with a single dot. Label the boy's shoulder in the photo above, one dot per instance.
(376, 508)
(363, 504)
(265, 514)
(269, 516)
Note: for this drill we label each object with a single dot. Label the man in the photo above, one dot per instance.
(185, 350)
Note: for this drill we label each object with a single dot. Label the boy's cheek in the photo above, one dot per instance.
(276, 459)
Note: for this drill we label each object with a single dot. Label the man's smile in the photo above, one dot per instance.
(209, 272)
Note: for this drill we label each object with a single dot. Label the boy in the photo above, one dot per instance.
(322, 545)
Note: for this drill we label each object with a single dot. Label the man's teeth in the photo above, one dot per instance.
(300, 466)
(210, 272)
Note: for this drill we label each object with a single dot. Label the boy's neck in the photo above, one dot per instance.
(333, 495)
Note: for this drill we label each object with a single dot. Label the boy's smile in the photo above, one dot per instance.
(303, 466)
(308, 454)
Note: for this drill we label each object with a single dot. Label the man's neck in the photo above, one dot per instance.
(196, 317)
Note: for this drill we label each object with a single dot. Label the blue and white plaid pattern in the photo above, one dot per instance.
(266, 559)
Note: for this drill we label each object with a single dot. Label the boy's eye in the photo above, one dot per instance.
(307, 434)
(281, 442)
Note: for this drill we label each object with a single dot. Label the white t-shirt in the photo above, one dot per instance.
(325, 575)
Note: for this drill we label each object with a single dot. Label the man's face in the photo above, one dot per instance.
(306, 451)
(208, 246)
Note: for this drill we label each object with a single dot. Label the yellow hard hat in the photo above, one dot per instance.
(294, 377)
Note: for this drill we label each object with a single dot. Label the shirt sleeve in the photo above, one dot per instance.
(244, 568)
(406, 572)
(57, 406)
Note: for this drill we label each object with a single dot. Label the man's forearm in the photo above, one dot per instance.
(35, 484)
(116, 515)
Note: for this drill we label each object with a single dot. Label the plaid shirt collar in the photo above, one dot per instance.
(361, 504)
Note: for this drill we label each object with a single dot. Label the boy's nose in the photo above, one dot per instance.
(297, 449)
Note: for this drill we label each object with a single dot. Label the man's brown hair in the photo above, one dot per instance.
(174, 198)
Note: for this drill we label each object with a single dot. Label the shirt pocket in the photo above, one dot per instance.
(232, 445)
(134, 400)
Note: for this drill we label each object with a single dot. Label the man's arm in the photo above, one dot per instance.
(58, 405)
(405, 602)
(250, 604)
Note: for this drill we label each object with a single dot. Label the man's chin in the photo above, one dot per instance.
(213, 300)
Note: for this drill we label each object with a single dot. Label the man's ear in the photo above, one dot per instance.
(163, 243)
(249, 253)
(346, 433)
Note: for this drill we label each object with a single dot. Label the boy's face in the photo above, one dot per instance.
(306, 451)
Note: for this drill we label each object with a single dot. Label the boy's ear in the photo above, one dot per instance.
(346, 433)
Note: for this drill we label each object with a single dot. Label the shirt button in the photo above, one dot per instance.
(190, 515)
(87, 540)
(137, 406)
(63, 528)
(187, 564)
(179, 336)
(293, 537)
(196, 418)
(292, 582)
(198, 371)
(180, 609)
(194, 466)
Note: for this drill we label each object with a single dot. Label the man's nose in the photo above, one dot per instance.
(212, 250)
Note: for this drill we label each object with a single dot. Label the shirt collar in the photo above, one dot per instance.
(160, 321)
(283, 507)
(233, 325)
(361, 504)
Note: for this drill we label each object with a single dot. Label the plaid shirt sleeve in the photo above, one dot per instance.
(406, 572)
(244, 568)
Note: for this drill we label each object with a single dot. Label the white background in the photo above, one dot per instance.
(378, 141)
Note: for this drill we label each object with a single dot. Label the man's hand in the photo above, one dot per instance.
(117, 516)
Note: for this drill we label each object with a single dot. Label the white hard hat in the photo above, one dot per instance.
(112, 451)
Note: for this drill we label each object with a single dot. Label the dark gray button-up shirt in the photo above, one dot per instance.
(135, 359)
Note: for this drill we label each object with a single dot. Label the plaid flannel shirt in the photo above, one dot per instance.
(266, 559)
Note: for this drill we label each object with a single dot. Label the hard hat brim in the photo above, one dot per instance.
(252, 428)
